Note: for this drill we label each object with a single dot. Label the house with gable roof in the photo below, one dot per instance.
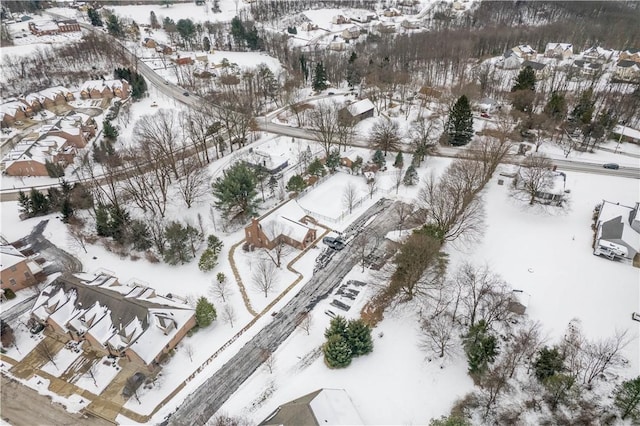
(597, 54)
(630, 55)
(617, 230)
(13, 111)
(357, 111)
(288, 224)
(524, 52)
(558, 50)
(130, 321)
(17, 271)
(98, 89)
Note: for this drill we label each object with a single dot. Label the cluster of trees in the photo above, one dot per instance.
(245, 33)
(136, 81)
(346, 340)
(66, 200)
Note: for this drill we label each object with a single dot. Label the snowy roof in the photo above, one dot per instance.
(103, 308)
(614, 224)
(10, 108)
(561, 46)
(360, 107)
(10, 256)
(286, 221)
(627, 131)
(322, 407)
(597, 51)
(101, 84)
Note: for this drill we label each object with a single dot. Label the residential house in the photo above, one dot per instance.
(289, 224)
(391, 12)
(13, 111)
(597, 54)
(308, 26)
(48, 27)
(164, 49)
(30, 156)
(524, 52)
(130, 321)
(54, 96)
(98, 89)
(357, 111)
(338, 45)
(488, 105)
(351, 33)
(509, 61)
(458, 6)
(149, 42)
(518, 302)
(386, 27)
(322, 407)
(410, 24)
(427, 92)
(184, 60)
(617, 230)
(627, 134)
(627, 71)
(630, 55)
(364, 18)
(587, 68)
(558, 50)
(340, 19)
(271, 157)
(17, 271)
(541, 70)
(73, 136)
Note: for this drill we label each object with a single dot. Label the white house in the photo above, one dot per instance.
(525, 52)
(617, 231)
(558, 50)
(597, 54)
(627, 71)
(351, 33)
(510, 61)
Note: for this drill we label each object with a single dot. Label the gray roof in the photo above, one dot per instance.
(612, 229)
(535, 65)
(625, 64)
(294, 413)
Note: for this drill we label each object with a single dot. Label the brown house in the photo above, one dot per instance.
(185, 60)
(130, 321)
(13, 111)
(289, 224)
(357, 111)
(74, 136)
(17, 270)
(99, 89)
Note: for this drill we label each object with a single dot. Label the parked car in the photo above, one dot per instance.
(186, 93)
(37, 328)
(612, 166)
(132, 384)
(334, 243)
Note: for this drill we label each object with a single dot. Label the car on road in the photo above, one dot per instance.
(612, 166)
(166, 82)
(186, 93)
(334, 243)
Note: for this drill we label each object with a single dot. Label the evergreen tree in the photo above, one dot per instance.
(378, 159)
(337, 326)
(359, 337)
(272, 184)
(316, 168)
(319, 82)
(411, 176)
(333, 160)
(236, 192)
(526, 80)
(548, 363)
(109, 131)
(304, 67)
(39, 203)
(583, 111)
(113, 26)
(556, 108)
(452, 420)
(66, 210)
(399, 163)
(296, 183)
(205, 312)
(253, 39)
(337, 353)
(459, 127)
(627, 400)
(237, 31)
(54, 170)
(119, 220)
(353, 72)
(102, 220)
(208, 260)
(206, 44)
(24, 202)
(214, 244)
(186, 29)
(481, 348)
(356, 165)
(94, 17)
(140, 235)
(177, 238)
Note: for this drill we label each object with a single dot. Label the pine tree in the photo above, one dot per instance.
(296, 183)
(272, 184)
(627, 399)
(102, 220)
(205, 312)
(66, 210)
(206, 44)
(337, 353)
(353, 73)
(459, 127)
(114, 27)
(316, 168)
(208, 260)
(236, 192)
(583, 111)
(556, 108)
(399, 163)
(94, 17)
(338, 325)
(411, 176)
(359, 337)
(24, 201)
(481, 348)
(333, 160)
(526, 80)
(237, 31)
(319, 82)
(452, 420)
(39, 203)
(214, 244)
(548, 363)
(378, 159)
(109, 131)
(177, 250)
(140, 235)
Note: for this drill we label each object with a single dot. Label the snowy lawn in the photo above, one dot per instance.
(61, 361)
(24, 340)
(103, 372)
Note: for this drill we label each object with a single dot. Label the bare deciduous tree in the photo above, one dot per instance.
(481, 290)
(398, 175)
(304, 321)
(437, 335)
(91, 372)
(324, 119)
(349, 196)
(220, 288)
(385, 135)
(188, 349)
(159, 134)
(264, 276)
(228, 314)
(224, 419)
(45, 349)
(366, 243)
(268, 360)
(534, 177)
(522, 347)
(77, 235)
(194, 180)
(372, 185)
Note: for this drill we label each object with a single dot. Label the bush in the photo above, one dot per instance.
(9, 294)
(548, 363)
(296, 184)
(205, 312)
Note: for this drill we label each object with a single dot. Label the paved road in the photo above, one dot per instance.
(209, 397)
(23, 406)
(8, 315)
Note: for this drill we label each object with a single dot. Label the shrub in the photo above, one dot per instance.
(9, 294)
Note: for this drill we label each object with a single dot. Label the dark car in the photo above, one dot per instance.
(37, 328)
(186, 93)
(132, 384)
(612, 166)
(334, 243)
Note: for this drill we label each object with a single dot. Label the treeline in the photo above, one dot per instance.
(272, 9)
